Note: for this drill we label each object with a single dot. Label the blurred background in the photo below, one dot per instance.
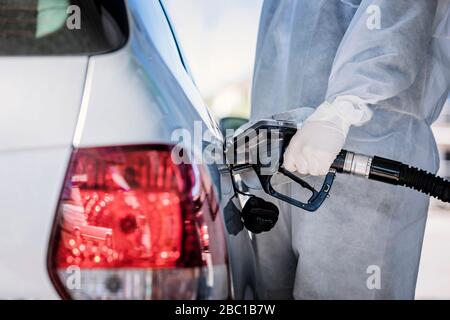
(219, 40)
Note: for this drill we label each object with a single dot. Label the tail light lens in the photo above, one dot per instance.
(128, 226)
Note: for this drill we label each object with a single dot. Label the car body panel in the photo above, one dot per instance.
(31, 183)
(139, 94)
(40, 100)
(37, 122)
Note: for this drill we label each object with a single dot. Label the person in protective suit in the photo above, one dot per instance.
(376, 75)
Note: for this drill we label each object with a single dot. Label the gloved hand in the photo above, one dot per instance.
(319, 140)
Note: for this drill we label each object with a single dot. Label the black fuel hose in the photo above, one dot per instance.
(425, 182)
(393, 172)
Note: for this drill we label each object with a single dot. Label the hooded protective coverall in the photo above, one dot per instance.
(365, 241)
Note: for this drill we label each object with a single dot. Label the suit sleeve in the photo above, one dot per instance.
(382, 50)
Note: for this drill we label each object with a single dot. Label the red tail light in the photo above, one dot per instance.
(128, 227)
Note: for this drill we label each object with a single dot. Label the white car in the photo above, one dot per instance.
(91, 204)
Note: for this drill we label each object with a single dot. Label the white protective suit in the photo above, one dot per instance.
(365, 241)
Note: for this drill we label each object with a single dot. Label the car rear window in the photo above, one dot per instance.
(61, 27)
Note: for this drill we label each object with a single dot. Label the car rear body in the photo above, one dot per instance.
(136, 95)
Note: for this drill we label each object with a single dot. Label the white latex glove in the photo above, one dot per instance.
(319, 140)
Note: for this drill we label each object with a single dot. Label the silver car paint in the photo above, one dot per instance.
(40, 102)
(138, 94)
(40, 98)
